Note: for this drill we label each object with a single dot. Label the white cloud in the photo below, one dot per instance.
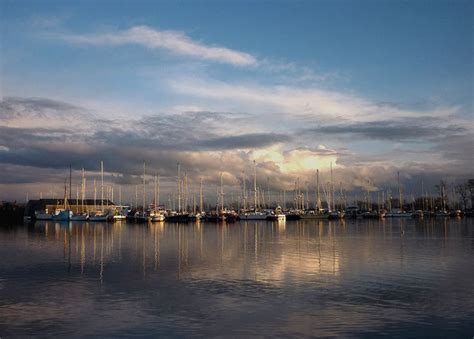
(296, 101)
(173, 41)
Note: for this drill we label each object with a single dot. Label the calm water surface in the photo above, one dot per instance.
(367, 278)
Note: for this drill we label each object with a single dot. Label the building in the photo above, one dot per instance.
(89, 205)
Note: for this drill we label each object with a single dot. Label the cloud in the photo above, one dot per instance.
(34, 112)
(172, 41)
(161, 140)
(298, 102)
(407, 130)
(458, 149)
(255, 140)
(207, 143)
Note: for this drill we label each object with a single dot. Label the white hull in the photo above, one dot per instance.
(277, 217)
(157, 218)
(120, 217)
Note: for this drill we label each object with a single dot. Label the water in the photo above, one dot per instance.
(308, 278)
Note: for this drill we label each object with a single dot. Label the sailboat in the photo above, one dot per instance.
(99, 215)
(65, 213)
(219, 214)
(334, 213)
(317, 213)
(255, 214)
(180, 215)
(83, 216)
(276, 214)
(120, 211)
(398, 213)
(195, 216)
(442, 212)
(142, 216)
(156, 214)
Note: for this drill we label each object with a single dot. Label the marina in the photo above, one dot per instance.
(235, 169)
(265, 205)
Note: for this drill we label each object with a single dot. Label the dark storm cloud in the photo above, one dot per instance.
(255, 140)
(409, 130)
(193, 131)
(161, 140)
(28, 136)
(16, 174)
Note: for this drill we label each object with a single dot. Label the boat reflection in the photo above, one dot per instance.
(271, 252)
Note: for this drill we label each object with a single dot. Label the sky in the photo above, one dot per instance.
(371, 87)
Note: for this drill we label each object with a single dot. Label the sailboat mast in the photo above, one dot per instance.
(255, 184)
(267, 201)
(244, 193)
(154, 202)
(65, 194)
(307, 195)
(298, 194)
(318, 197)
(400, 191)
(186, 192)
(83, 189)
(332, 191)
(136, 197)
(222, 193)
(158, 192)
(144, 166)
(95, 196)
(102, 185)
(179, 188)
(200, 196)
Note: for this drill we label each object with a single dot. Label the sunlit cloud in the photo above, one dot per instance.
(173, 41)
(206, 144)
(301, 102)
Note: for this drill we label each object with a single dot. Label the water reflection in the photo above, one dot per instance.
(320, 278)
(280, 251)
